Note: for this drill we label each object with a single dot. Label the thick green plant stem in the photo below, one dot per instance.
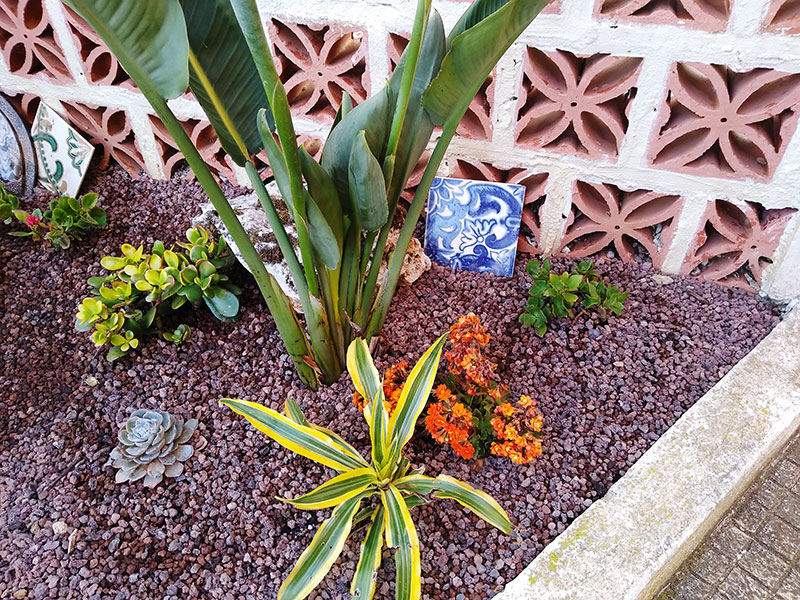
(284, 243)
(317, 328)
(289, 329)
(412, 57)
(367, 295)
(384, 298)
(250, 23)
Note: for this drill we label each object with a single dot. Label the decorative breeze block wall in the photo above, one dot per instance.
(659, 130)
(604, 216)
(317, 63)
(719, 122)
(711, 15)
(575, 104)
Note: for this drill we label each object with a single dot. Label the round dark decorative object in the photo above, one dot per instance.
(17, 160)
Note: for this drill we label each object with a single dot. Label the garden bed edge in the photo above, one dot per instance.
(627, 545)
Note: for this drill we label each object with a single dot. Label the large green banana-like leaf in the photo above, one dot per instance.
(374, 117)
(300, 439)
(481, 503)
(363, 586)
(224, 78)
(277, 162)
(323, 191)
(367, 186)
(415, 395)
(325, 548)
(335, 491)
(402, 535)
(148, 38)
(326, 244)
(477, 42)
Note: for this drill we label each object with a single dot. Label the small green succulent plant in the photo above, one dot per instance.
(153, 444)
(9, 205)
(67, 219)
(553, 296)
(129, 303)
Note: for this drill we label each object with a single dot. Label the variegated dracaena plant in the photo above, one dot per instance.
(387, 475)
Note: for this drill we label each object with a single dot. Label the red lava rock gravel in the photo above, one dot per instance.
(607, 392)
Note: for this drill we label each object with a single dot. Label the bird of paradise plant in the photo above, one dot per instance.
(343, 206)
(387, 475)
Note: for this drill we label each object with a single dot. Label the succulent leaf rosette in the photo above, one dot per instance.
(153, 444)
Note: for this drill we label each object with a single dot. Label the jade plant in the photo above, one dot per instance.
(153, 444)
(129, 303)
(554, 296)
(386, 476)
(9, 204)
(67, 219)
(342, 207)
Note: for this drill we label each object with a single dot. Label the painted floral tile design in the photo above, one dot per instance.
(28, 42)
(474, 225)
(711, 15)
(535, 184)
(736, 243)
(605, 216)
(575, 104)
(317, 63)
(62, 154)
(783, 16)
(718, 122)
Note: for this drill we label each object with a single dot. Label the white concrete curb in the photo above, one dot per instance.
(626, 545)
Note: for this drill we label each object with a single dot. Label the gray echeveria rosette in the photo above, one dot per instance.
(152, 445)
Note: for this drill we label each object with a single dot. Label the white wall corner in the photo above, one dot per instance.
(782, 278)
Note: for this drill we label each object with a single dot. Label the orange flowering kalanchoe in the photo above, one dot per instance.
(393, 381)
(466, 361)
(450, 422)
(518, 430)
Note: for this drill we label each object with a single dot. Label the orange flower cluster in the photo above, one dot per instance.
(393, 381)
(519, 430)
(466, 361)
(450, 422)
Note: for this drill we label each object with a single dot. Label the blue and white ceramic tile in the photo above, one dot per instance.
(474, 225)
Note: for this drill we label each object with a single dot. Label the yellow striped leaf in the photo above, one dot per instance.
(415, 394)
(481, 503)
(363, 372)
(337, 490)
(379, 430)
(300, 439)
(325, 548)
(363, 586)
(293, 411)
(369, 384)
(402, 535)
